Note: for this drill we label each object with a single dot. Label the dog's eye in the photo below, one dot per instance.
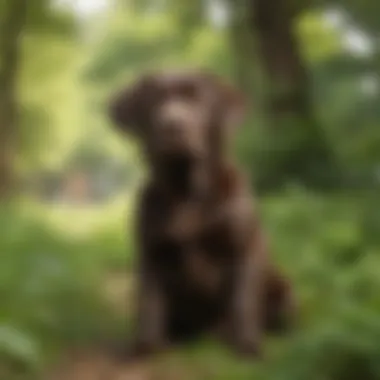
(188, 91)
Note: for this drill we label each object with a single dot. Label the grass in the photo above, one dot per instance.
(56, 263)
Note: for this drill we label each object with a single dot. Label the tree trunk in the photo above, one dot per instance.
(12, 25)
(297, 148)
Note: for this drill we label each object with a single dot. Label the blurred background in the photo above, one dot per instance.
(311, 145)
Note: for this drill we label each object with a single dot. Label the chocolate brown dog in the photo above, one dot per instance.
(203, 264)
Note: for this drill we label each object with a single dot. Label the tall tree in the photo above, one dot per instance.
(13, 22)
(295, 147)
(37, 41)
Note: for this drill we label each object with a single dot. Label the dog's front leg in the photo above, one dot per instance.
(247, 287)
(151, 313)
(246, 304)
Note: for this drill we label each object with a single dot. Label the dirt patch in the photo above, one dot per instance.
(90, 364)
(94, 363)
(97, 365)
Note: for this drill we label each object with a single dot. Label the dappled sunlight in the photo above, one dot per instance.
(70, 181)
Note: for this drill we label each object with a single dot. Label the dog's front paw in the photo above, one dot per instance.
(134, 351)
(247, 349)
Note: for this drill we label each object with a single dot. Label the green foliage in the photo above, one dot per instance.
(45, 74)
(42, 18)
(51, 284)
(55, 260)
(331, 258)
(363, 13)
(135, 43)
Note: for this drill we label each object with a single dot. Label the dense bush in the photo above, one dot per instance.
(50, 285)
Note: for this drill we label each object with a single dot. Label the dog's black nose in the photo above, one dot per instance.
(174, 129)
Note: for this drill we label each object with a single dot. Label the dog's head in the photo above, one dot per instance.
(178, 113)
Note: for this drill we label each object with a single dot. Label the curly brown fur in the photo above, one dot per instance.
(203, 264)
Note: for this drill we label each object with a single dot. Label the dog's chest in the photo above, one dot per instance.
(191, 250)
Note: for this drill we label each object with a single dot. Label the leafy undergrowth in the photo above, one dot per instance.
(53, 277)
(50, 282)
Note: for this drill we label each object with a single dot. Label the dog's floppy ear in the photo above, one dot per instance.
(129, 107)
(232, 105)
(230, 102)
